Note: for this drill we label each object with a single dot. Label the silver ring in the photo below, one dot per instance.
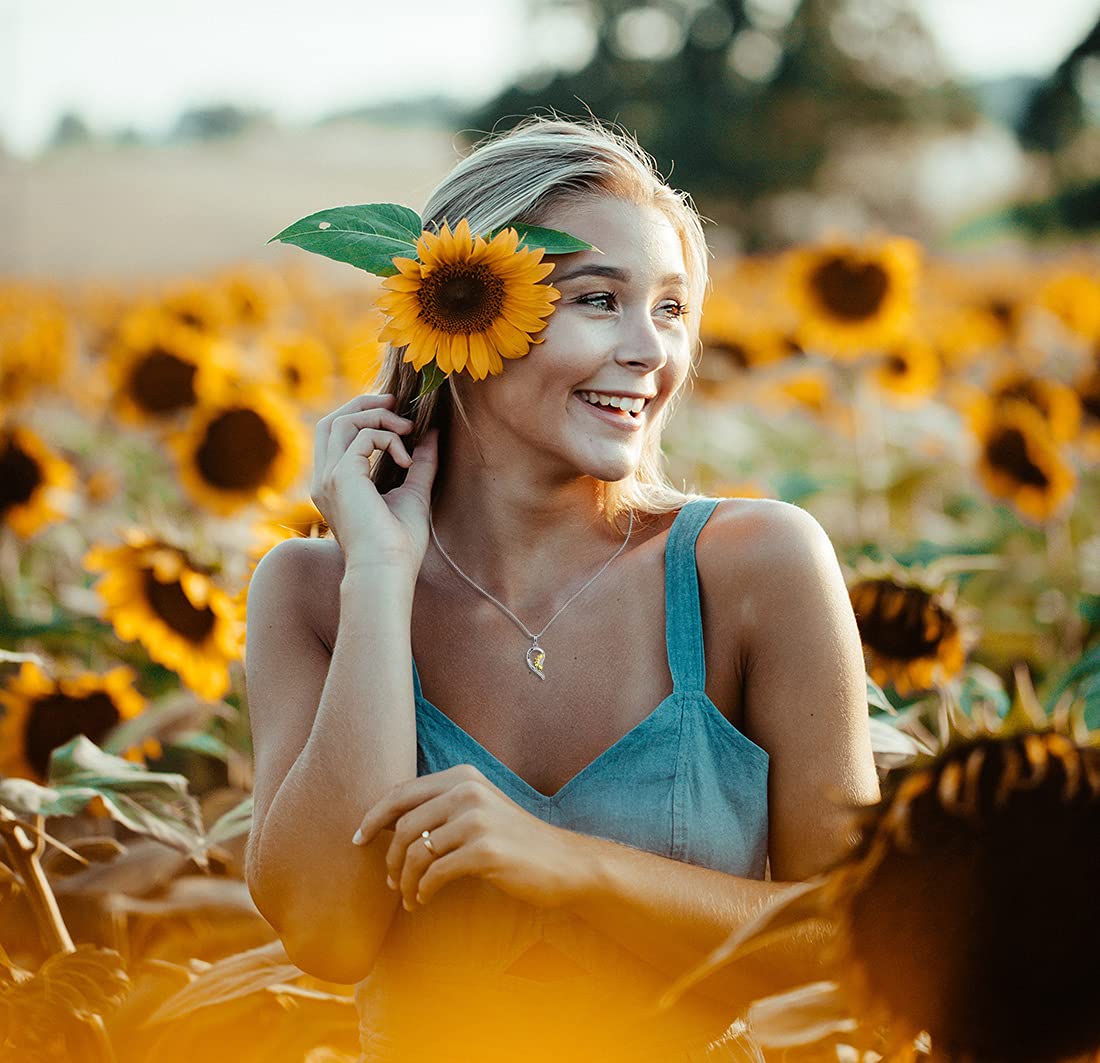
(427, 839)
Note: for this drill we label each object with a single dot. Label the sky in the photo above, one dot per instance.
(140, 62)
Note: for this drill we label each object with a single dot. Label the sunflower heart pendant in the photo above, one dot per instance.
(536, 655)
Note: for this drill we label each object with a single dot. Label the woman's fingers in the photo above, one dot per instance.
(353, 405)
(346, 428)
(415, 859)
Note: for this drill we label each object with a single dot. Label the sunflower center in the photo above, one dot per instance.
(902, 623)
(57, 717)
(896, 365)
(461, 298)
(1007, 450)
(1090, 399)
(169, 602)
(849, 289)
(162, 382)
(237, 450)
(1025, 391)
(20, 476)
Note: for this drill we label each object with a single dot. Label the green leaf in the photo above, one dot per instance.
(232, 824)
(982, 685)
(431, 376)
(152, 803)
(366, 236)
(877, 700)
(201, 742)
(1085, 671)
(551, 241)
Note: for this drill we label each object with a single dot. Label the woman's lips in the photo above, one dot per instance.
(614, 417)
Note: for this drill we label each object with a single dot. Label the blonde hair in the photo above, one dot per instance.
(521, 176)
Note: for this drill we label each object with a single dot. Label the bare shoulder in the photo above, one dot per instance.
(804, 682)
(303, 574)
(761, 547)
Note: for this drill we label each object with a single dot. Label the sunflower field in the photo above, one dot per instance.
(939, 416)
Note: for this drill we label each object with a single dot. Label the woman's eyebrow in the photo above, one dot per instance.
(615, 273)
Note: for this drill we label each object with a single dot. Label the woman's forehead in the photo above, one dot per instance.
(631, 238)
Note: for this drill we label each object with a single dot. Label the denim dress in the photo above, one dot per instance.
(477, 975)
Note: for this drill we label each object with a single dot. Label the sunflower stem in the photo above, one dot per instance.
(25, 856)
(1067, 624)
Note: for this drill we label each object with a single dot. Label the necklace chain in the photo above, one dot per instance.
(536, 655)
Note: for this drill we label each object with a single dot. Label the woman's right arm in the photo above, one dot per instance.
(331, 734)
(334, 728)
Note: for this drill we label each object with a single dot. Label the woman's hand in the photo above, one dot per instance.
(371, 528)
(475, 831)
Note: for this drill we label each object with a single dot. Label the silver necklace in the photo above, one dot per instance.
(536, 655)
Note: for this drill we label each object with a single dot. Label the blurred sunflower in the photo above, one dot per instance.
(852, 299)
(254, 296)
(734, 341)
(467, 303)
(286, 520)
(807, 388)
(1087, 389)
(741, 489)
(199, 305)
(32, 478)
(965, 897)
(156, 594)
(157, 367)
(359, 351)
(41, 714)
(909, 373)
(234, 449)
(1020, 462)
(1056, 403)
(36, 341)
(1073, 297)
(914, 635)
(302, 366)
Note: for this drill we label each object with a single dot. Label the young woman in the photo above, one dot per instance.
(572, 711)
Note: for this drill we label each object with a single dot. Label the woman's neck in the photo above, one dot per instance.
(519, 545)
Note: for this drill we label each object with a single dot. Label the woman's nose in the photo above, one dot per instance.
(641, 343)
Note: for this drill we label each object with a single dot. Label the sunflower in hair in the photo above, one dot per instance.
(854, 298)
(41, 714)
(157, 594)
(467, 303)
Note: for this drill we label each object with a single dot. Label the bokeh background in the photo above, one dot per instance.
(903, 337)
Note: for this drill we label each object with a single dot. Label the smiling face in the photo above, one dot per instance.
(618, 329)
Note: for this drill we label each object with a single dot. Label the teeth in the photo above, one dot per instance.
(625, 404)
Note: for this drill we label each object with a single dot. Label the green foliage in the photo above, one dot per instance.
(366, 236)
(157, 804)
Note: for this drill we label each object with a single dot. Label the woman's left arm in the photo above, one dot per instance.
(806, 705)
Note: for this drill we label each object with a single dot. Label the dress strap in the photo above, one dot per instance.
(683, 616)
(417, 692)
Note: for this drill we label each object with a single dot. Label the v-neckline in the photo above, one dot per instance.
(522, 783)
(678, 691)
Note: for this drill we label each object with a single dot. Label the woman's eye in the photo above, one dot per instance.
(677, 308)
(607, 297)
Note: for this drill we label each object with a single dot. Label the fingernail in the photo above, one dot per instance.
(408, 907)
(419, 899)
(357, 838)
(390, 882)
